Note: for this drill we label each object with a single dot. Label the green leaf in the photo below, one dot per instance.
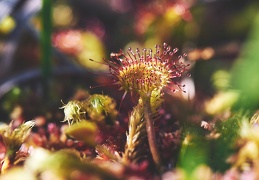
(245, 71)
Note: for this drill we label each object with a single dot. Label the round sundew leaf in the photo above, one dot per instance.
(83, 131)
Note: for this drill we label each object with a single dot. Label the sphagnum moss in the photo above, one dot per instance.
(13, 138)
(96, 108)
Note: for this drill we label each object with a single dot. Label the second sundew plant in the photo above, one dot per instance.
(147, 74)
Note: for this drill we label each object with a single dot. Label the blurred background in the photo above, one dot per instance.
(45, 47)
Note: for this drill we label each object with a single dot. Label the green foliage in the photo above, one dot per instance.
(194, 152)
(212, 149)
(223, 147)
(245, 71)
(194, 149)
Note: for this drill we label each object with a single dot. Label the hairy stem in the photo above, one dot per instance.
(151, 131)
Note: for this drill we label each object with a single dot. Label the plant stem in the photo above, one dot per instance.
(45, 40)
(151, 131)
(8, 160)
(46, 19)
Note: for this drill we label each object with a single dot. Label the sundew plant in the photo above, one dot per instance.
(88, 90)
(147, 74)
